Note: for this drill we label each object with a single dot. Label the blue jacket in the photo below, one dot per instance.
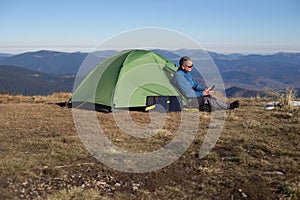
(186, 84)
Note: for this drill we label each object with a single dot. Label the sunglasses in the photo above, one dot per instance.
(190, 66)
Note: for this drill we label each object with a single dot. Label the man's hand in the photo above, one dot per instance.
(208, 92)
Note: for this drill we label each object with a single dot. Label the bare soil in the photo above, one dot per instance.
(42, 157)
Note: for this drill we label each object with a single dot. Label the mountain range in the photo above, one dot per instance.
(45, 72)
(18, 80)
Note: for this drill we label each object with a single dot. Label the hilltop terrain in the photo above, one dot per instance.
(256, 157)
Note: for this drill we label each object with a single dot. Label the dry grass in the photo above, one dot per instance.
(77, 193)
(285, 99)
(54, 98)
(42, 157)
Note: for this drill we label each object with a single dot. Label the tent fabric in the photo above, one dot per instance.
(127, 79)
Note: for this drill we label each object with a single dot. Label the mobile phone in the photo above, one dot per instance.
(212, 87)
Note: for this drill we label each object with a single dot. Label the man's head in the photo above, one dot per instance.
(186, 63)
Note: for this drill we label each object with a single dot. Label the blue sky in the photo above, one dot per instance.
(226, 26)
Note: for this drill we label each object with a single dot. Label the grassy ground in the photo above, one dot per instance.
(42, 157)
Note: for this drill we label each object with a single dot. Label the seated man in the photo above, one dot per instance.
(188, 87)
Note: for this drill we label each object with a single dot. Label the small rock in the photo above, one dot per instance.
(275, 173)
(49, 188)
(135, 186)
(232, 159)
(244, 195)
(24, 183)
(117, 184)
(103, 183)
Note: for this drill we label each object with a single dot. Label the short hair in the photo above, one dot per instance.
(183, 60)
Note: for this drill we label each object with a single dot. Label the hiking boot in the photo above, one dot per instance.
(206, 108)
(234, 104)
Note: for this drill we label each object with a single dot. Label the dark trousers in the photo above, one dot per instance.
(208, 103)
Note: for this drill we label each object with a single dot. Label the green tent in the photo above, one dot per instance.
(127, 80)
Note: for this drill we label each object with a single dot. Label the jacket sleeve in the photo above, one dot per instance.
(197, 87)
(184, 86)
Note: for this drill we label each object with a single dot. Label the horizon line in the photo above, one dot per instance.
(85, 49)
